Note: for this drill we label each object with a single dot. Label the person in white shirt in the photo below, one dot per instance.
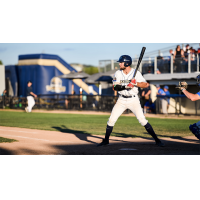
(127, 88)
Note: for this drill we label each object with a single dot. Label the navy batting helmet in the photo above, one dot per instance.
(126, 59)
(198, 80)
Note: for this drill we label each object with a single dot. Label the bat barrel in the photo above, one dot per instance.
(139, 60)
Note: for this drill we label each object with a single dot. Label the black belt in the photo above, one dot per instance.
(127, 96)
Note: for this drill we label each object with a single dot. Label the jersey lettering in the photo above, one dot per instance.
(125, 81)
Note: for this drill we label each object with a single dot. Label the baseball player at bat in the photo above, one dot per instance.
(194, 128)
(126, 82)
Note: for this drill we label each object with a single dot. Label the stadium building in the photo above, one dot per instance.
(42, 70)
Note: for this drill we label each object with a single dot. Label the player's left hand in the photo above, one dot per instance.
(182, 85)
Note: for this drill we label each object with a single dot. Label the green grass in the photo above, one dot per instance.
(126, 126)
(6, 140)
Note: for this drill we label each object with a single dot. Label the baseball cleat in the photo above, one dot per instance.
(103, 143)
(160, 144)
(194, 129)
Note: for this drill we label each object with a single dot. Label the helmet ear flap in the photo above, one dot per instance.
(126, 64)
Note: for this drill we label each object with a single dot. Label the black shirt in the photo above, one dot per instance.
(146, 90)
(28, 90)
(178, 54)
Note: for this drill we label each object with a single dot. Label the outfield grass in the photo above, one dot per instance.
(126, 126)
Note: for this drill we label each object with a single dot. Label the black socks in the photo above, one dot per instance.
(148, 127)
(150, 130)
(108, 132)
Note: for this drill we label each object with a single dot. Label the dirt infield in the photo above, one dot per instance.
(40, 142)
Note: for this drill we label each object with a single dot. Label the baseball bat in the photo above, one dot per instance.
(139, 61)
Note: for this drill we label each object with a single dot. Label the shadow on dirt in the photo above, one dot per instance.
(174, 137)
(82, 135)
(132, 148)
(5, 152)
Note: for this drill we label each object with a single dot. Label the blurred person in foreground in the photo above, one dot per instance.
(194, 128)
(30, 95)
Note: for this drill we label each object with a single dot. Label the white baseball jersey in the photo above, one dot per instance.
(124, 79)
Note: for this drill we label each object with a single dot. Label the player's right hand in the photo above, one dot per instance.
(131, 84)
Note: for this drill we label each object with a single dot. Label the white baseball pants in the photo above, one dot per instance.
(127, 103)
(31, 103)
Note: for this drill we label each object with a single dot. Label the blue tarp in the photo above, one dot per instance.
(11, 73)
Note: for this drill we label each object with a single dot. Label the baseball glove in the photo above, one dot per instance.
(182, 85)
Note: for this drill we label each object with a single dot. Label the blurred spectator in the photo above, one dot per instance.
(150, 107)
(160, 57)
(149, 70)
(145, 96)
(161, 100)
(198, 51)
(66, 102)
(171, 52)
(192, 53)
(158, 71)
(4, 93)
(187, 51)
(179, 53)
(166, 90)
(178, 56)
(160, 91)
(67, 99)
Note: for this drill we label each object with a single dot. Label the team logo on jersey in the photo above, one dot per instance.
(125, 81)
(56, 85)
